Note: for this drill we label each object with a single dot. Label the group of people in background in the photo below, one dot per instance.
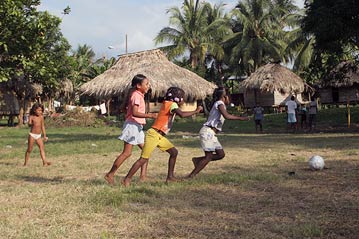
(295, 109)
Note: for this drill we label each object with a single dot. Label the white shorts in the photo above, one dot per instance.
(132, 133)
(209, 141)
(291, 118)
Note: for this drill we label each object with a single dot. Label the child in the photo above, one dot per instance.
(36, 122)
(258, 117)
(212, 148)
(132, 132)
(156, 136)
(291, 106)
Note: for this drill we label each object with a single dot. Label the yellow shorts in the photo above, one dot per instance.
(154, 139)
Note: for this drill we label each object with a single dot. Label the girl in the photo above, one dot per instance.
(212, 148)
(132, 132)
(156, 136)
(36, 122)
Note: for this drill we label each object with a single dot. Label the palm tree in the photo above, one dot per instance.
(260, 35)
(199, 29)
(83, 58)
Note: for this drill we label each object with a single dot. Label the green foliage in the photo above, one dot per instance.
(198, 28)
(334, 24)
(259, 36)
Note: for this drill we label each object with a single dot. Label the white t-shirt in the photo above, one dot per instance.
(215, 118)
(292, 105)
(103, 108)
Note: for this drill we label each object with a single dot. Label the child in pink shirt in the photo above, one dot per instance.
(132, 131)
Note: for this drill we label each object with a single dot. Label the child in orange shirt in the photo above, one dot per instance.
(156, 136)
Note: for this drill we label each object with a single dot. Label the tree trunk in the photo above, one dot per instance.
(21, 111)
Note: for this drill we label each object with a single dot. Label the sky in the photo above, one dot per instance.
(104, 24)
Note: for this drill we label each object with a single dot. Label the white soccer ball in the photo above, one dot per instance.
(316, 162)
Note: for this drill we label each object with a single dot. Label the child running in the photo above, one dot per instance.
(132, 132)
(156, 136)
(36, 122)
(212, 148)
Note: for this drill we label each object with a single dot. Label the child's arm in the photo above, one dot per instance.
(184, 114)
(228, 116)
(30, 120)
(43, 128)
(138, 114)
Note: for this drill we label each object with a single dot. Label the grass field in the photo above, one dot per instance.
(261, 189)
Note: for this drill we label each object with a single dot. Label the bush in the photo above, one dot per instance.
(76, 117)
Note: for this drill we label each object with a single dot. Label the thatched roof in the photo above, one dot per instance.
(156, 67)
(272, 77)
(345, 74)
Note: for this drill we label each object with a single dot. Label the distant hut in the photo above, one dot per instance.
(341, 85)
(9, 105)
(159, 70)
(271, 85)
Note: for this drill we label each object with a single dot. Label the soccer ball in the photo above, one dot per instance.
(316, 162)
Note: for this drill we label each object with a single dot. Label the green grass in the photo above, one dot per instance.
(248, 194)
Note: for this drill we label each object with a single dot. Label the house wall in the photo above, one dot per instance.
(267, 99)
(325, 95)
(264, 99)
(332, 95)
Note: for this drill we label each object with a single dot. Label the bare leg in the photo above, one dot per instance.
(40, 143)
(127, 180)
(30, 145)
(209, 156)
(171, 164)
(143, 174)
(126, 153)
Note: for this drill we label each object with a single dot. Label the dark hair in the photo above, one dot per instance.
(35, 106)
(218, 93)
(292, 98)
(175, 94)
(137, 79)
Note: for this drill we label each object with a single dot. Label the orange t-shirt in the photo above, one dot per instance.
(165, 117)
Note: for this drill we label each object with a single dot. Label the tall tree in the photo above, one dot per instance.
(198, 29)
(259, 33)
(32, 48)
(334, 24)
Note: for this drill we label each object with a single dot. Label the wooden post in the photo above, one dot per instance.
(348, 111)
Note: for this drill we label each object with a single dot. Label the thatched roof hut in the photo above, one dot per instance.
(159, 70)
(341, 84)
(345, 74)
(271, 85)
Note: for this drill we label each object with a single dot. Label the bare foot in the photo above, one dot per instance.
(109, 179)
(126, 182)
(46, 164)
(143, 179)
(188, 177)
(173, 179)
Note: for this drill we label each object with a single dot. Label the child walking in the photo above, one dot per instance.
(156, 136)
(212, 148)
(36, 122)
(132, 132)
(258, 117)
